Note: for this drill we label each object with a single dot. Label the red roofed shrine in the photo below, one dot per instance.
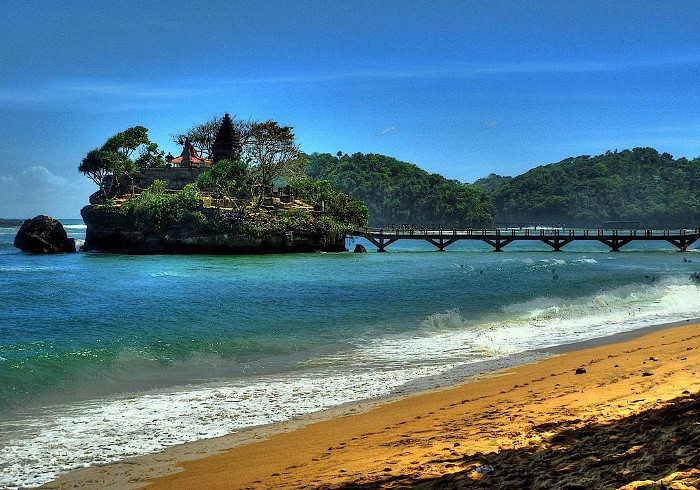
(189, 158)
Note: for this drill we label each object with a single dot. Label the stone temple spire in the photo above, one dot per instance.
(227, 143)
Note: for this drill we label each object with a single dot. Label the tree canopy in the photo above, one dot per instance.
(491, 183)
(230, 178)
(114, 157)
(639, 186)
(271, 152)
(401, 193)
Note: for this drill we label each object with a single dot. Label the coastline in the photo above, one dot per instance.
(371, 441)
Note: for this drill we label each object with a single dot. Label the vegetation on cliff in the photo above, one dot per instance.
(401, 193)
(639, 186)
(160, 214)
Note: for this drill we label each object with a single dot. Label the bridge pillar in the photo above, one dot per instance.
(556, 243)
(682, 243)
(615, 243)
(381, 242)
(441, 242)
(497, 242)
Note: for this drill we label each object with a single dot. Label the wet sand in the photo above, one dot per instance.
(631, 420)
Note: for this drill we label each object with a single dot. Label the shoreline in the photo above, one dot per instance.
(209, 453)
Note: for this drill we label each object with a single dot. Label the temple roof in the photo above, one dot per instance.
(189, 156)
(227, 143)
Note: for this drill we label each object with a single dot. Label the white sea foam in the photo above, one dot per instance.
(168, 274)
(546, 322)
(586, 260)
(448, 319)
(541, 322)
(110, 430)
(27, 268)
(554, 261)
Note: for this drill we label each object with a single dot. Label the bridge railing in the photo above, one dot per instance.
(529, 232)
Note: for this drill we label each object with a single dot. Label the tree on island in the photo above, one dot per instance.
(271, 152)
(97, 165)
(115, 158)
(230, 178)
(336, 203)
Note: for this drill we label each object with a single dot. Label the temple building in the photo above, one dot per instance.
(226, 146)
(189, 158)
(227, 143)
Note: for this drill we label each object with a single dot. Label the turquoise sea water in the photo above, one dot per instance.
(104, 356)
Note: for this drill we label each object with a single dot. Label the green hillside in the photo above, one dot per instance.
(401, 193)
(492, 182)
(640, 185)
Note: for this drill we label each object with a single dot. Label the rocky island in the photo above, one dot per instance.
(236, 188)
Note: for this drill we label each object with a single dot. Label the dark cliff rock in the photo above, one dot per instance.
(360, 249)
(105, 237)
(43, 235)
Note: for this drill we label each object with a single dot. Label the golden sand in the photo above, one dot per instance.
(631, 420)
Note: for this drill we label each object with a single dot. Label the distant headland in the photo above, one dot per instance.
(237, 187)
(10, 222)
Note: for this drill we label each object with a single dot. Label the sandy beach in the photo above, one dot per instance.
(617, 415)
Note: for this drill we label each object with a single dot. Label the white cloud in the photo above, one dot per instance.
(36, 190)
(70, 90)
(384, 132)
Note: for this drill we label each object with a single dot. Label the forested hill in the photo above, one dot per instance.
(401, 193)
(638, 185)
(492, 182)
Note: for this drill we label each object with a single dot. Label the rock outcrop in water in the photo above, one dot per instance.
(43, 235)
(222, 205)
(112, 236)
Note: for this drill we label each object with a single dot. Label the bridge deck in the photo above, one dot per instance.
(555, 238)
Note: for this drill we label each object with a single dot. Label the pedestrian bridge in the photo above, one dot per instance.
(554, 237)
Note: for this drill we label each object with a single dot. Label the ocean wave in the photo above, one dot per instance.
(452, 337)
(547, 322)
(36, 449)
(448, 319)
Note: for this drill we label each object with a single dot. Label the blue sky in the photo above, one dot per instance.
(460, 88)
